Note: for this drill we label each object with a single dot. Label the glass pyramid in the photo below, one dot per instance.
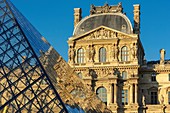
(25, 84)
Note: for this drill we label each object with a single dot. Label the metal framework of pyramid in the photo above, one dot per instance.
(25, 86)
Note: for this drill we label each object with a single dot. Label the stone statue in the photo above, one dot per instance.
(134, 52)
(71, 54)
(91, 53)
(116, 53)
(143, 101)
(119, 7)
(92, 9)
(162, 99)
(105, 8)
(101, 33)
(92, 36)
(108, 34)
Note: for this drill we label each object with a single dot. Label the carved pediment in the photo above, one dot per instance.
(102, 33)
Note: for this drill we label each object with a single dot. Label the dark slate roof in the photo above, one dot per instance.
(158, 61)
(115, 21)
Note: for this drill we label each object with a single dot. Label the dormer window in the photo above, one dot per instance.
(153, 77)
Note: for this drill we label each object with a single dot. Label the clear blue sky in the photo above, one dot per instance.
(54, 20)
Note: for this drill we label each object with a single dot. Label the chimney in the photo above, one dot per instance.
(77, 16)
(162, 56)
(136, 17)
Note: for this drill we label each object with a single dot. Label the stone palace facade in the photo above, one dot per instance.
(107, 54)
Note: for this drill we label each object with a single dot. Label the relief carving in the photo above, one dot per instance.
(103, 34)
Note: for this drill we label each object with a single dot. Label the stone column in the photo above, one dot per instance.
(136, 92)
(109, 96)
(111, 93)
(115, 93)
(162, 56)
(131, 93)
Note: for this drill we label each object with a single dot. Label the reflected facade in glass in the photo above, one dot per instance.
(25, 85)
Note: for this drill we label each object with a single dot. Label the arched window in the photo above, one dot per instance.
(80, 55)
(102, 94)
(124, 75)
(124, 54)
(80, 75)
(102, 54)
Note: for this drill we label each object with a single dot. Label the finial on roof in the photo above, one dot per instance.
(106, 9)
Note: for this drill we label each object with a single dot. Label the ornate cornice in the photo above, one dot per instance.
(102, 32)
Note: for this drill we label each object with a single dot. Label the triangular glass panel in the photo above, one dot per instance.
(25, 86)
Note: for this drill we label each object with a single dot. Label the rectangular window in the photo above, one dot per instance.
(80, 55)
(154, 97)
(124, 97)
(153, 77)
(124, 54)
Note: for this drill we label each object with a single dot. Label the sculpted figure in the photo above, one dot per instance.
(105, 8)
(162, 99)
(71, 54)
(119, 7)
(143, 100)
(116, 52)
(101, 33)
(91, 53)
(92, 36)
(108, 34)
(92, 9)
(134, 52)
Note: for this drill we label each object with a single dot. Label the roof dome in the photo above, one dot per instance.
(117, 21)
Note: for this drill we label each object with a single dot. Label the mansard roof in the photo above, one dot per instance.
(117, 21)
(109, 16)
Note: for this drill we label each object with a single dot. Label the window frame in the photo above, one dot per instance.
(153, 77)
(102, 54)
(168, 97)
(124, 75)
(102, 94)
(124, 98)
(124, 54)
(80, 55)
(154, 97)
